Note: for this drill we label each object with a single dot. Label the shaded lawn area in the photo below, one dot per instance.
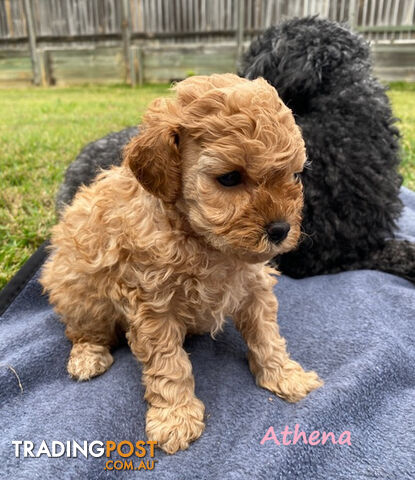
(42, 131)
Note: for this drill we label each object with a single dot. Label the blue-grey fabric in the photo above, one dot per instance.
(356, 329)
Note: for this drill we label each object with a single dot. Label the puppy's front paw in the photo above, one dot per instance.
(88, 360)
(290, 382)
(174, 428)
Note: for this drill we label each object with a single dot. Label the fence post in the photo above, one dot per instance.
(45, 67)
(240, 4)
(32, 41)
(140, 65)
(133, 65)
(126, 39)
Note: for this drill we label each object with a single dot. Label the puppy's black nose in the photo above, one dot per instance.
(277, 231)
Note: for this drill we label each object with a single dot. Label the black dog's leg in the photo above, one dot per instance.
(396, 257)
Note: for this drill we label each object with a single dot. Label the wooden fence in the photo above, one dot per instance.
(132, 39)
(173, 19)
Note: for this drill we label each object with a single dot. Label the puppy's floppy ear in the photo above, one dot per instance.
(153, 157)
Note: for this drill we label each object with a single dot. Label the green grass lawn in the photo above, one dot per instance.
(402, 96)
(42, 131)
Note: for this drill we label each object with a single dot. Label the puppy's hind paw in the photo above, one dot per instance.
(88, 360)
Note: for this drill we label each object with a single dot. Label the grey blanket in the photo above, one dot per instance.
(356, 329)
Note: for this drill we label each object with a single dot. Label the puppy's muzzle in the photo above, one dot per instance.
(277, 231)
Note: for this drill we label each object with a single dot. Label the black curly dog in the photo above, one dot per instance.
(322, 71)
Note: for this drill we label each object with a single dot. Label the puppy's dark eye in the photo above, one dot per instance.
(230, 179)
(297, 177)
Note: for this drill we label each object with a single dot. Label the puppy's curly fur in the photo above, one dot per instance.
(322, 71)
(177, 251)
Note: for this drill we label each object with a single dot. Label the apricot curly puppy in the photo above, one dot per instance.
(176, 238)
